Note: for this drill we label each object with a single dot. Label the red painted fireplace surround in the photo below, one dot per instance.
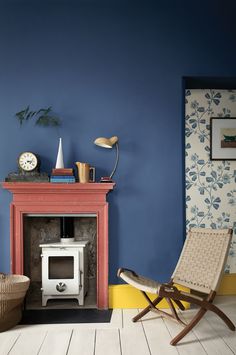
(48, 198)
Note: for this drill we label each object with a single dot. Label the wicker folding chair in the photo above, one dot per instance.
(200, 268)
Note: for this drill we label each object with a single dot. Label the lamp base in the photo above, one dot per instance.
(106, 179)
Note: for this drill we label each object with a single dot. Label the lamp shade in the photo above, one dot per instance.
(106, 142)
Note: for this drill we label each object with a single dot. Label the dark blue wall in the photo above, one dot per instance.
(113, 68)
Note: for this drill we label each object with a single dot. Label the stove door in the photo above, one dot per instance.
(60, 272)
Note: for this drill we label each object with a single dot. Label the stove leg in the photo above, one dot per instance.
(44, 300)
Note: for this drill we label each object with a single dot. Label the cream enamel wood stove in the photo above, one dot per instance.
(64, 271)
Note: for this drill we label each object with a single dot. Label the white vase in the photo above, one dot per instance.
(60, 160)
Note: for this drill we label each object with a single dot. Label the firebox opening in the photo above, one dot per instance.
(45, 229)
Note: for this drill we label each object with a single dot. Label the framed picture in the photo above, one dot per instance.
(223, 138)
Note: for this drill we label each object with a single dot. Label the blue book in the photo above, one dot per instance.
(52, 179)
(62, 182)
(62, 177)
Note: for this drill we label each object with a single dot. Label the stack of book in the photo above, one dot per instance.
(65, 175)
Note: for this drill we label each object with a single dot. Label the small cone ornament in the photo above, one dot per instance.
(60, 161)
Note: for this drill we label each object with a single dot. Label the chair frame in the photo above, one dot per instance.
(173, 296)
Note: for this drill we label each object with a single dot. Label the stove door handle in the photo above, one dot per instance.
(61, 287)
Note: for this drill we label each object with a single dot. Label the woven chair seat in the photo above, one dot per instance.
(140, 282)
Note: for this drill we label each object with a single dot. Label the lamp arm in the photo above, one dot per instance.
(117, 159)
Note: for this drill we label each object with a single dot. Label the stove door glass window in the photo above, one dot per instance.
(60, 267)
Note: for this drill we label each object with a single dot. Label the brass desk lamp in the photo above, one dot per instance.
(109, 143)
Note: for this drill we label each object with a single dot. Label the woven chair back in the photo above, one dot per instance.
(202, 261)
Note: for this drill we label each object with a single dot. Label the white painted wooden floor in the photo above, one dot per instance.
(151, 336)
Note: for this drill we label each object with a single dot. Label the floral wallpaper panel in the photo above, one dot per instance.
(210, 185)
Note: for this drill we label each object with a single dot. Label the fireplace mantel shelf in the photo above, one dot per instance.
(58, 193)
(52, 198)
(18, 187)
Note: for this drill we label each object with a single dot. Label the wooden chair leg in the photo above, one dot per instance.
(179, 304)
(173, 311)
(151, 305)
(189, 327)
(223, 316)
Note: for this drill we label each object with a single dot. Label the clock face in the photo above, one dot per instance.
(27, 161)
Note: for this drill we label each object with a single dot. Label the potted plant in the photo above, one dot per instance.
(43, 116)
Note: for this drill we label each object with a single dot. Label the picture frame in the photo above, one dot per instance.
(223, 138)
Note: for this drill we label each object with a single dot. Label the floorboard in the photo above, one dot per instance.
(150, 336)
(157, 335)
(28, 343)
(208, 337)
(107, 342)
(189, 344)
(133, 339)
(82, 342)
(56, 343)
(7, 341)
(222, 330)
